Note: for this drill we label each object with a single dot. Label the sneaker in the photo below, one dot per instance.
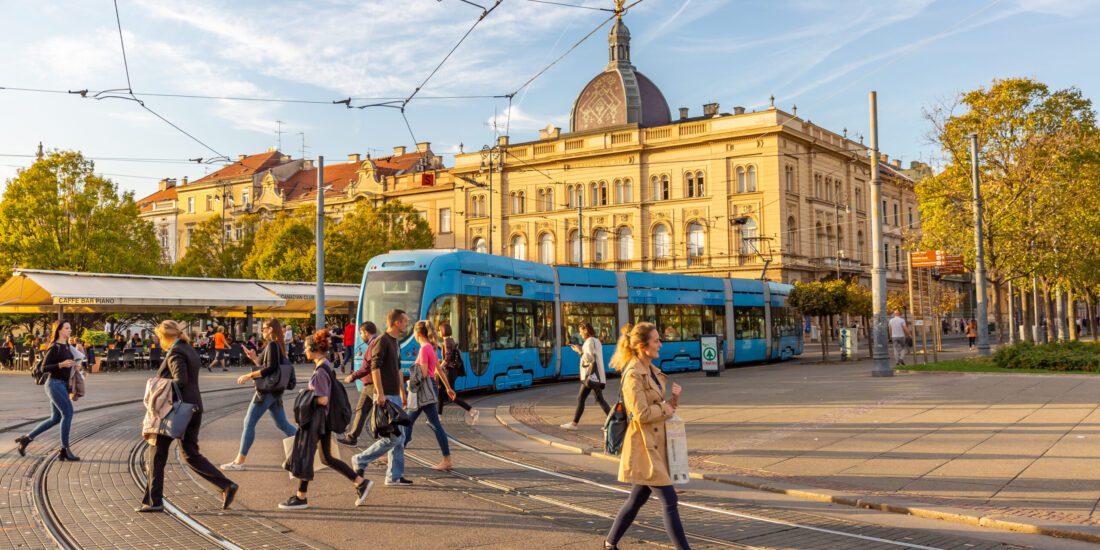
(232, 467)
(569, 426)
(472, 416)
(402, 482)
(361, 492)
(348, 441)
(294, 503)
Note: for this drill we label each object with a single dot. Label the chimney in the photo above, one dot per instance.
(502, 141)
(738, 110)
(284, 159)
(683, 113)
(399, 150)
(166, 183)
(271, 149)
(354, 157)
(307, 164)
(241, 157)
(423, 146)
(883, 157)
(184, 182)
(897, 163)
(710, 109)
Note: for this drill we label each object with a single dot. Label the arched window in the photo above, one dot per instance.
(550, 200)
(575, 246)
(599, 247)
(752, 179)
(817, 186)
(792, 235)
(839, 192)
(540, 200)
(603, 196)
(819, 238)
(594, 194)
(748, 236)
(696, 245)
(655, 184)
(519, 247)
(662, 242)
(699, 184)
(828, 189)
(628, 191)
(515, 203)
(689, 184)
(859, 198)
(522, 202)
(626, 244)
(546, 248)
(789, 176)
(740, 179)
(618, 191)
(666, 190)
(479, 245)
(830, 245)
(862, 243)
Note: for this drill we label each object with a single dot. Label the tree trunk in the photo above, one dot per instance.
(1090, 319)
(823, 332)
(1025, 315)
(1071, 315)
(1048, 312)
(998, 310)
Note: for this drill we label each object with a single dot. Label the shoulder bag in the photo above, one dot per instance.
(174, 424)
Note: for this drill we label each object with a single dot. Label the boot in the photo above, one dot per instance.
(22, 441)
(65, 454)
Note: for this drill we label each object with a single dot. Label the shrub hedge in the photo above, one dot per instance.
(1061, 356)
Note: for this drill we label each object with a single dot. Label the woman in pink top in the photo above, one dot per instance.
(422, 383)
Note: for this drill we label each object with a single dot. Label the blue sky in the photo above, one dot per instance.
(821, 56)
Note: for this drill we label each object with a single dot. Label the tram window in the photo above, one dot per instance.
(603, 322)
(749, 322)
(714, 320)
(602, 317)
(475, 325)
(692, 318)
(444, 310)
(669, 323)
(544, 324)
(525, 324)
(783, 322)
(503, 324)
(643, 313)
(388, 290)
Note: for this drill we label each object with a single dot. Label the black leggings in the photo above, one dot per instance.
(639, 494)
(443, 398)
(328, 460)
(583, 396)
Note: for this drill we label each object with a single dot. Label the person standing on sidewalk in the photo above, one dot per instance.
(899, 335)
(389, 385)
(219, 348)
(593, 378)
(267, 363)
(972, 333)
(59, 362)
(644, 461)
(368, 333)
(182, 365)
(452, 368)
(422, 384)
(316, 428)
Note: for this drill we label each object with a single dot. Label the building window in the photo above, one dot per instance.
(897, 217)
(665, 189)
(819, 240)
(190, 233)
(897, 257)
(828, 189)
(238, 233)
(912, 223)
(818, 191)
(886, 255)
(519, 247)
(522, 202)
(190, 205)
(599, 247)
(479, 245)
(839, 239)
(748, 236)
(752, 179)
(244, 199)
(628, 191)
(884, 218)
(209, 203)
(603, 193)
(839, 193)
(689, 185)
(740, 179)
(792, 235)
(618, 191)
(546, 248)
(662, 242)
(575, 246)
(696, 245)
(444, 220)
(593, 194)
(550, 200)
(862, 244)
(422, 214)
(164, 237)
(626, 244)
(859, 196)
(789, 177)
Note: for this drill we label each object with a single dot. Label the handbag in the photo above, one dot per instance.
(614, 428)
(174, 424)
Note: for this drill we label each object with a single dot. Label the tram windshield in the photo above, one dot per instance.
(386, 290)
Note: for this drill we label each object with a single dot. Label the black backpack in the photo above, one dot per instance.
(40, 376)
(454, 360)
(339, 407)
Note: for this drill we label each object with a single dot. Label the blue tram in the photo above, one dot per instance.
(514, 320)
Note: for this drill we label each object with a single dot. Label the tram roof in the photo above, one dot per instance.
(43, 291)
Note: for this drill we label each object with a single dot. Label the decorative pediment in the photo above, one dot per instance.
(269, 192)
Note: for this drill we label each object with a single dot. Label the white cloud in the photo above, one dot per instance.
(521, 120)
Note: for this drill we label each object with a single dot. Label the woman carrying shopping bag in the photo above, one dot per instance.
(644, 461)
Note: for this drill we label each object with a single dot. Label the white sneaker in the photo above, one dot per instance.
(569, 426)
(362, 491)
(472, 416)
(232, 467)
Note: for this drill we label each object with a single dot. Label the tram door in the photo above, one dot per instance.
(479, 344)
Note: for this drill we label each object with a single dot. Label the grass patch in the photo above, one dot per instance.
(979, 364)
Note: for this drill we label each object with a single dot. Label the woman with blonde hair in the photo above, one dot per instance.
(644, 461)
(422, 385)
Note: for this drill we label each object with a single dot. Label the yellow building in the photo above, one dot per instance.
(714, 194)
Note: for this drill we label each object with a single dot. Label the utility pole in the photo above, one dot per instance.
(580, 231)
(880, 356)
(979, 253)
(320, 239)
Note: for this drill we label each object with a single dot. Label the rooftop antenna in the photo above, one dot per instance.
(278, 135)
(303, 136)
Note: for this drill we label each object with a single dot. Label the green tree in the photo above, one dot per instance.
(57, 214)
(368, 231)
(211, 254)
(284, 249)
(821, 300)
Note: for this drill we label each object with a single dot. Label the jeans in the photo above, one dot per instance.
(270, 403)
(189, 449)
(899, 349)
(62, 407)
(583, 396)
(433, 418)
(393, 447)
(639, 494)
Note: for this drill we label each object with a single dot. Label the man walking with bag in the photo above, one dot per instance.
(389, 385)
(369, 334)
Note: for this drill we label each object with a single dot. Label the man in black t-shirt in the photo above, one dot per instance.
(389, 384)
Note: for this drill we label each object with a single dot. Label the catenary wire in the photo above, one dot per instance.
(565, 5)
(485, 13)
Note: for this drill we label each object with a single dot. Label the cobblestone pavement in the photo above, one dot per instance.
(1022, 445)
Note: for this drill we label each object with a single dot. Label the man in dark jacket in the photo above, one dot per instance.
(182, 365)
(368, 331)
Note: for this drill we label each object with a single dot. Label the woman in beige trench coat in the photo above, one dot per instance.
(644, 462)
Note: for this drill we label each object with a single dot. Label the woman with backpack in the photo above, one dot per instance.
(268, 363)
(644, 461)
(315, 431)
(423, 390)
(58, 364)
(593, 378)
(452, 368)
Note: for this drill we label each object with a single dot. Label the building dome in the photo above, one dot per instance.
(620, 94)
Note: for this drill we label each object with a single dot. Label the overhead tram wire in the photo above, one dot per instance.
(485, 13)
(565, 5)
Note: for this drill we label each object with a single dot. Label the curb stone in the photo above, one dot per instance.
(1086, 533)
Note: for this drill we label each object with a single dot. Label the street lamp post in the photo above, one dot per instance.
(879, 355)
(979, 253)
(320, 244)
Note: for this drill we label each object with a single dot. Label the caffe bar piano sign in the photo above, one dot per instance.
(84, 301)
